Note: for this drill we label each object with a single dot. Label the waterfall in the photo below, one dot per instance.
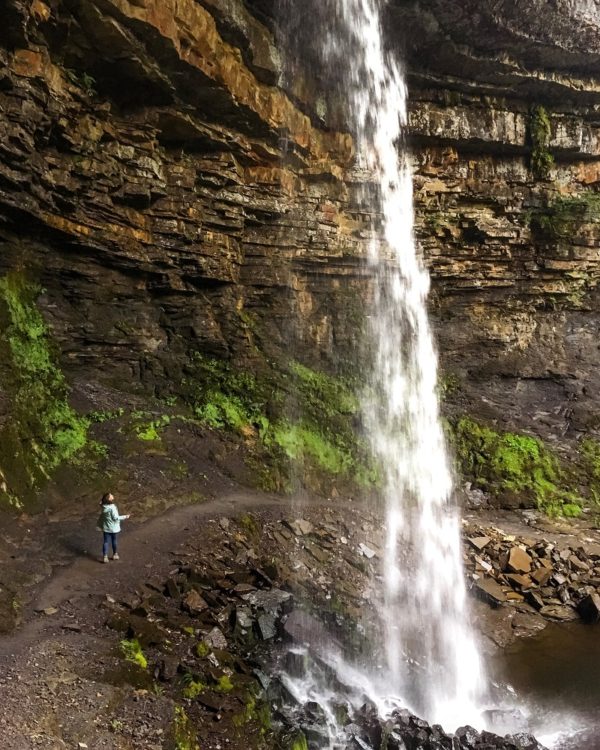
(431, 660)
(424, 613)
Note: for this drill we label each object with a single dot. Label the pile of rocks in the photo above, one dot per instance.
(404, 731)
(208, 633)
(560, 583)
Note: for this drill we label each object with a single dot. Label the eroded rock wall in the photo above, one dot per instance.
(172, 196)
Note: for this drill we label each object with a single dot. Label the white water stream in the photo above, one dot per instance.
(431, 661)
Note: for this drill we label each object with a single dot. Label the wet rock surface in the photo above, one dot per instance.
(404, 731)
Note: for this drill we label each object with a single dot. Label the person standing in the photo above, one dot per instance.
(110, 525)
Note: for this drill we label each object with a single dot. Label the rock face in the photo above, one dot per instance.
(171, 197)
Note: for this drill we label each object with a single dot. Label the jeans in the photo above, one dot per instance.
(109, 537)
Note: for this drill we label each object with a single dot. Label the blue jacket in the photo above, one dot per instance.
(110, 520)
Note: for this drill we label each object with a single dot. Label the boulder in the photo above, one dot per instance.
(589, 608)
(577, 564)
(490, 591)
(541, 576)
(526, 624)
(479, 542)
(215, 639)
(301, 527)
(267, 626)
(534, 598)
(366, 551)
(521, 581)
(270, 601)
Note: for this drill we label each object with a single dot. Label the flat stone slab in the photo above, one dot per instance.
(518, 561)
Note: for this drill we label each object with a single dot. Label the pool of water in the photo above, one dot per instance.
(556, 681)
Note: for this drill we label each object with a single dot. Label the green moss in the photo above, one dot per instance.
(540, 132)
(132, 651)
(301, 441)
(150, 431)
(501, 462)
(249, 523)
(255, 712)
(202, 649)
(183, 732)
(325, 395)
(448, 385)
(224, 684)
(323, 441)
(45, 430)
(225, 398)
(561, 218)
(193, 687)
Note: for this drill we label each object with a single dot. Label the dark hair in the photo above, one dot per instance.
(106, 498)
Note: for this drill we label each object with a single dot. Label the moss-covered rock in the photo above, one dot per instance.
(514, 467)
(564, 215)
(44, 431)
(294, 421)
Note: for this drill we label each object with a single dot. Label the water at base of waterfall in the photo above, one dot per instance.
(425, 655)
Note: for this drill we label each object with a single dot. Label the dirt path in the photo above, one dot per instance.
(144, 549)
(64, 629)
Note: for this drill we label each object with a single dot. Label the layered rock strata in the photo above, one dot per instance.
(172, 196)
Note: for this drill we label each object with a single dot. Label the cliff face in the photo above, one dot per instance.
(172, 198)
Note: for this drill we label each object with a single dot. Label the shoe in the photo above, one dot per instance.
(105, 558)
(116, 556)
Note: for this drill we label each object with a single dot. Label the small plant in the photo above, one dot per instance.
(202, 649)
(83, 80)
(299, 743)
(192, 687)
(150, 431)
(255, 711)
(224, 684)
(45, 431)
(249, 523)
(132, 651)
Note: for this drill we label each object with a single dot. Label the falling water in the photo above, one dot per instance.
(431, 662)
(424, 608)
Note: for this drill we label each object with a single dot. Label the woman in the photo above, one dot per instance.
(110, 524)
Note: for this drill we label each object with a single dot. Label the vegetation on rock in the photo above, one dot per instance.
(132, 652)
(563, 215)
(540, 131)
(183, 731)
(45, 430)
(193, 687)
(150, 431)
(504, 463)
(298, 416)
